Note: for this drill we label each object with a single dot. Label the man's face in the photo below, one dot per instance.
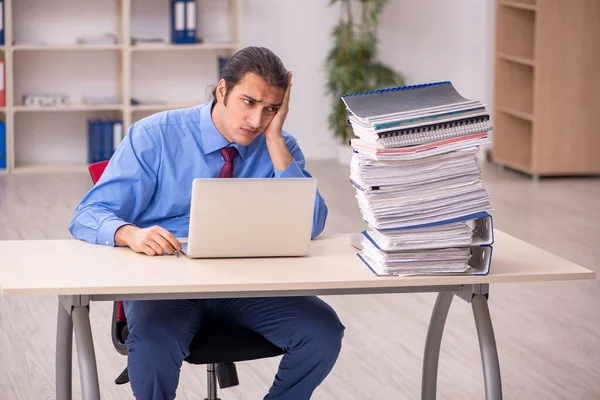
(251, 105)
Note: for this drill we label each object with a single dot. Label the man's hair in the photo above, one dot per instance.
(259, 60)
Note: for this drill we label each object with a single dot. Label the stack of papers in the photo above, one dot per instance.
(421, 192)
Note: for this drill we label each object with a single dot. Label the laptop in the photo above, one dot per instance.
(250, 217)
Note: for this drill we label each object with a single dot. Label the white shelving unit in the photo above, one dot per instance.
(42, 57)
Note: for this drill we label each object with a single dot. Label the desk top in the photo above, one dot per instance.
(72, 267)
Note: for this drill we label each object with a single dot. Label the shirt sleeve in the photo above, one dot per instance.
(122, 193)
(296, 170)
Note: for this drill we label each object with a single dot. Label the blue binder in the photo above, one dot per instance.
(480, 262)
(483, 235)
(2, 19)
(481, 247)
(190, 21)
(222, 62)
(94, 141)
(107, 139)
(178, 21)
(2, 145)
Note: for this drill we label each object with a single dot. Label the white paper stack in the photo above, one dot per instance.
(418, 183)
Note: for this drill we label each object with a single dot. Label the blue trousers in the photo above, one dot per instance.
(161, 331)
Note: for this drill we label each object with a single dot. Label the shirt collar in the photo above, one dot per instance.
(212, 140)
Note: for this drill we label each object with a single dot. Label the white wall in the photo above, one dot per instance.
(283, 26)
(438, 40)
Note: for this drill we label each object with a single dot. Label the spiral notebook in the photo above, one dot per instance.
(403, 102)
(426, 133)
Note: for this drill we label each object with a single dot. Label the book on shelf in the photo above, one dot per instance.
(417, 181)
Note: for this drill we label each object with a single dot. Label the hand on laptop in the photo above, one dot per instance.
(151, 241)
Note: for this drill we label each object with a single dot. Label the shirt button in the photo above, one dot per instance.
(107, 242)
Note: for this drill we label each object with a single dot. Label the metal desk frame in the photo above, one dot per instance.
(73, 316)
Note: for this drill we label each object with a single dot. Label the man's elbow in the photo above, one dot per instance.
(80, 229)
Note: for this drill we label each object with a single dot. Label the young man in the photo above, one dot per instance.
(143, 201)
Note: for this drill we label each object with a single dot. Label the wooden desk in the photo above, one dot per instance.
(78, 273)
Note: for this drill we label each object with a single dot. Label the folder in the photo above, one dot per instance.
(117, 135)
(2, 84)
(222, 62)
(421, 150)
(178, 21)
(479, 260)
(422, 134)
(107, 139)
(3, 149)
(94, 141)
(468, 230)
(2, 23)
(423, 251)
(391, 106)
(190, 21)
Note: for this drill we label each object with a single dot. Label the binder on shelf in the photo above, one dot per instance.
(190, 21)
(222, 62)
(2, 84)
(117, 135)
(107, 139)
(178, 21)
(104, 136)
(2, 22)
(3, 146)
(94, 141)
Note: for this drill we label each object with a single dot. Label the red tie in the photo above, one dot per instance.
(228, 154)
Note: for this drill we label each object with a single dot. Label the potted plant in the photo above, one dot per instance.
(352, 64)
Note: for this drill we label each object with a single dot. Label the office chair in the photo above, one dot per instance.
(218, 346)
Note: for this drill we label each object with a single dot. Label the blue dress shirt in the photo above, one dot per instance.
(148, 180)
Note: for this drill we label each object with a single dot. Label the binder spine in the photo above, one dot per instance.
(3, 145)
(434, 135)
(190, 21)
(398, 88)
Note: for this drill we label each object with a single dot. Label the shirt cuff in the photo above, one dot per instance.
(106, 233)
(292, 171)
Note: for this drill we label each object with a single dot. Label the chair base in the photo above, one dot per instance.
(227, 375)
(123, 378)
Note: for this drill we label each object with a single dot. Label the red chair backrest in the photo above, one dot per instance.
(96, 171)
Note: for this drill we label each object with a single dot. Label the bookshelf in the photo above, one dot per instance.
(546, 87)
(161, 76)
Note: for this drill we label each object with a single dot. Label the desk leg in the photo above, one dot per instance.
(487, 345)
(433, 344)
(64, 353)
(86, 354)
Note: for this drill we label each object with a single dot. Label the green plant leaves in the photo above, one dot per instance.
(352, 64)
